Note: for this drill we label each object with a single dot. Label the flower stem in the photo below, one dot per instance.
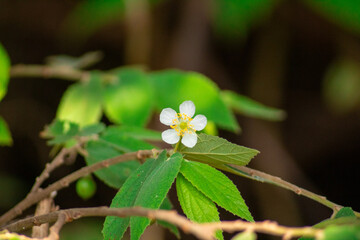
(177, 145)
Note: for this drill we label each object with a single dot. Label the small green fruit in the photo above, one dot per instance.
(86, 187)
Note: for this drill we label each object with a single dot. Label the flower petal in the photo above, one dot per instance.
(167, 115)
(170, 136)
(188, 108)
(199, 122)
(189, 139)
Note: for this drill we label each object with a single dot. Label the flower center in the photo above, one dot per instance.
(182, 125)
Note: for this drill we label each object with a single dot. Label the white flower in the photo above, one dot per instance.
(182, 124)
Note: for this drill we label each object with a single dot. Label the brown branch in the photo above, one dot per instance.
(267, 178)
(201, 231)
(43, 207)
(62, 72)
(33, 198)
(57, 162)
(55, 229)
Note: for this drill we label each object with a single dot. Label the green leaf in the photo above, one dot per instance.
(345, 212)
(123, 142)
(234, 18)
(4, 71)
(5, 135)
(251, 108)
(129, 99)
(114, 175)
(342, 85)
(196, 206)
(92, 129)
(135, 132)
(344, 217)
(166, 205)
(146, 187)
(115, 227)
(81, 103)
(216, 186)
(55, 128)
(215, 150)
(154, 190)
(61, 131)
(245, 236)
(342, 233)
(343, 13)
(338, 221)
(173, 87)
(111, 144)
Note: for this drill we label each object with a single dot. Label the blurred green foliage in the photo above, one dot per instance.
(341, 86)
(344, 13)
(5, 136)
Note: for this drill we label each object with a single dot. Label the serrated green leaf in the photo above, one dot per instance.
(166, 205)
(217, 187)
(245, 236)
(173, 87)
(129, 100)
(4, 71)
(115, 227)
(215, 150)
(196, 206)
(135, 132)
(5, 135)
(92, 129)
(114, 175)
(154, 190)
(81, 102)
(251, 108)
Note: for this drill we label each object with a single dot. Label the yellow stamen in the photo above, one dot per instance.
(181, 124)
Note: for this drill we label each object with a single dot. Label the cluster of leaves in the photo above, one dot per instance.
(133, 95)
(200, 186)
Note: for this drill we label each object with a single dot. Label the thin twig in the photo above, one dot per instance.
(201, 231)
(57, 162)
(63, 72)
(267, 178)
(65, 181)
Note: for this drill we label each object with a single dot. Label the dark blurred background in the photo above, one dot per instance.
(300, 56)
